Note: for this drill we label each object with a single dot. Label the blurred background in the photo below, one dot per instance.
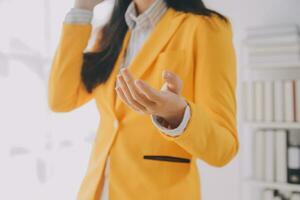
(44, 155)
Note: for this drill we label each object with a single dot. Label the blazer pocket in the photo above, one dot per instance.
(167, 158)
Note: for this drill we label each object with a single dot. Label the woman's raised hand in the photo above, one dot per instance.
(87, 4)
(167, 103)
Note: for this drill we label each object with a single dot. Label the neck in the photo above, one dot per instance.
(142, 5)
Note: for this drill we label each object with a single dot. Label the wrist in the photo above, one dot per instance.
(174, 119)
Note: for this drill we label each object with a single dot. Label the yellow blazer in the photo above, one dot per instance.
(144, 162)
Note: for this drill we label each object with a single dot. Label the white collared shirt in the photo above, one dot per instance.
(141, 26)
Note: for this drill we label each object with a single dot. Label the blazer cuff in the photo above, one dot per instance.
(179, 129)
(79, 16)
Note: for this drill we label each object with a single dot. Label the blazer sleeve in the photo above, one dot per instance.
(211, 133)
(66, 91)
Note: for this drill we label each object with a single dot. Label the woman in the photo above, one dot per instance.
(163, 74)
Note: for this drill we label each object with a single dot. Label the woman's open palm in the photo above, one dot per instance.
(141, 97)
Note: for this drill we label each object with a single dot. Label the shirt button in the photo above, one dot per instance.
(116, 124)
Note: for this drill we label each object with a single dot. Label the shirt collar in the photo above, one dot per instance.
(146, 19)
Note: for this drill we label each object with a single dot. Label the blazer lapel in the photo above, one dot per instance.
(108, 90)
(157, 40)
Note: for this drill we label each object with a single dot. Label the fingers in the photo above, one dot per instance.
(124, 100)
(123, 97)
(148, 91)
(128, 97)
(174, 83)
(135, 93)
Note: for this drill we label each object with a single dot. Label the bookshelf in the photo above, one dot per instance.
(253, 187)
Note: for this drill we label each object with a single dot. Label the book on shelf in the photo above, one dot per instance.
(278, 101)
(277, 156)
(248, 94)
(259, 155)
(293, 167)
(259, 100)
(289, 101)
(272, 101)
(297, 99)
(270, 155)
(293, 164)
(269, 101)
(281, 156)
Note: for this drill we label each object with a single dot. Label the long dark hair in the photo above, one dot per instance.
(98, 65)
